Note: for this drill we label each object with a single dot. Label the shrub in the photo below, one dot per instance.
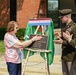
(20, 33)
(2, 33)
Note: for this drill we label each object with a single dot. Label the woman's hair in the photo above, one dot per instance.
(10, 26)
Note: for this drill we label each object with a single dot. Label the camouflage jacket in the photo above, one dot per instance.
(68, 48)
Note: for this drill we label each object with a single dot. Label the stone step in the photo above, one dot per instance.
(3, 71)
(35, 66)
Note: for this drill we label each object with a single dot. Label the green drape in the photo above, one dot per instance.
(50, 33)
(29, 30)
(50, 46)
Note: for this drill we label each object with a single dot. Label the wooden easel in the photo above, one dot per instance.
(38, 50)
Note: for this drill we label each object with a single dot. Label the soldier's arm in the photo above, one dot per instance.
(73, 43)
(60, 39)
(64, 41)
(73, 40)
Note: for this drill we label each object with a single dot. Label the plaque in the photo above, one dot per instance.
(40, 44)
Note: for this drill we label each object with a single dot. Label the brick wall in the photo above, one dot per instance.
(27, 9)
(4, 12)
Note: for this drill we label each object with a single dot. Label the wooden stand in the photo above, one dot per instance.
(38, 50)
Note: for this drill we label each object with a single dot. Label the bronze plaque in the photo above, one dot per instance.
(40, 44)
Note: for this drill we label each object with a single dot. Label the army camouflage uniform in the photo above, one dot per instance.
(68, 48)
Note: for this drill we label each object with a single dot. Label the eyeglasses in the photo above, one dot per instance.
(16, 27)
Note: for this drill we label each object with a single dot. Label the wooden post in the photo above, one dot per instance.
(25, 64)
(46, 64)
(36, 29)
(42, 30)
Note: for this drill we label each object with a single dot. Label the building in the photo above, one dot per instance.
(23, 10)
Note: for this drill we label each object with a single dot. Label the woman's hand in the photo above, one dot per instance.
(36, 38)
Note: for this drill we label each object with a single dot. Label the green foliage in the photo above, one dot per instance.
(2, 33)
(2, 48)
(20, 33)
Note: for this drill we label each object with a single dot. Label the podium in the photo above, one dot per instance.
(39, 23)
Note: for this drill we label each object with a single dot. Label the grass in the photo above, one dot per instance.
(2, 48)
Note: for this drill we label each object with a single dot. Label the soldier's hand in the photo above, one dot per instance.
(59, 41)
(57, 35)
(67, 36)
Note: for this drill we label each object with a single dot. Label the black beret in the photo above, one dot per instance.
(64, 12)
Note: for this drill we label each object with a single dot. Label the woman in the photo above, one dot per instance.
(13, 48)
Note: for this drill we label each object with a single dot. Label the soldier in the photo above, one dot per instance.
(68, 41)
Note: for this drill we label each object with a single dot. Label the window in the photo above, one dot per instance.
(69, 4)
(54, 5)
(52, 11)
